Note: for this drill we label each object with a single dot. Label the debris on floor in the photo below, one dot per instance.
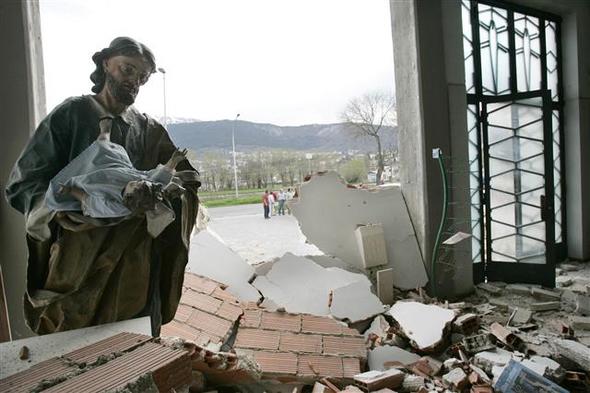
(124, 361)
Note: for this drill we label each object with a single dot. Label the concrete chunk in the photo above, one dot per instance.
(355, 303)
(300, 285)
(543, 294)
(489, 359)
(372, 380)
(385, 286)
(574, 351)
(388, 353)
(518, 289)
(583, 304)
(521, 316)
(582, 323)
(425, 325)
(489, 288)
(456, 378)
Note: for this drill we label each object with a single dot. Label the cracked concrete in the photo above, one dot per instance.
(330, 224)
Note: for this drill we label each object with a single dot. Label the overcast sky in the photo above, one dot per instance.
(286, 62)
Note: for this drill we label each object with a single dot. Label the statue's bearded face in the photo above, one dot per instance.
(124, 76)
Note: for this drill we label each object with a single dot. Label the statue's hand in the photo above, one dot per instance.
(177, 157)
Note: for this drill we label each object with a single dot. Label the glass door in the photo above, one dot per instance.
(518, 188)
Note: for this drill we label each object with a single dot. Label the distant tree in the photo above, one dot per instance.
(367, 116)
(354, 171)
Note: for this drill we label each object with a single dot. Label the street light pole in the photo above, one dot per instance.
(233, 146)
(163, 71)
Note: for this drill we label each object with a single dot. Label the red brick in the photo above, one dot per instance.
(199, 284)
(251, 318)
(349, 331)
(200, 301)
(182, 330)
(229, 311)
(351, 346)
(301, 343)
(225, 295)
(183, 313)
(322, 366)
(324, 325)
(276, 362)
(210, 323)
(351, 367)
(281, 321)
(257, 339)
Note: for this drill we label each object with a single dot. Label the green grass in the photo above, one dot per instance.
(232, 201)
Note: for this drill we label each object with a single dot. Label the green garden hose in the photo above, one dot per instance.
(437, 153)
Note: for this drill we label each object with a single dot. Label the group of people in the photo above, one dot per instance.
(275, 203)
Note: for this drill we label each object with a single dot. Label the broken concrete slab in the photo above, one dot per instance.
(544, 294)
(489, 288)
(575, 352)
(494, 358)
(545, 306)
(518, 289)
(425, 325)
(300, 285)
(221, 264)
(582, 323)
(332, 226)
(380, 356)
(521, 316)
(355, 303)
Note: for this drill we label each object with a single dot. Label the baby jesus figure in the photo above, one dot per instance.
(101, 182)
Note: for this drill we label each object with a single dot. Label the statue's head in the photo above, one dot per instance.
(122, 68)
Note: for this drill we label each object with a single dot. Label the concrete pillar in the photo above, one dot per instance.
(22, 104)
(576, 81)
(431, 102)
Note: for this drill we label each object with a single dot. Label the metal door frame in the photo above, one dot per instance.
(476, 99)
(543, 274)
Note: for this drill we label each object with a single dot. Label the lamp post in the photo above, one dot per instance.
(233, 147)
(163, 71)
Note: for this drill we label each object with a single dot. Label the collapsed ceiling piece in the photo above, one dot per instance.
(300, 285)
(329, 214)
(425, 325)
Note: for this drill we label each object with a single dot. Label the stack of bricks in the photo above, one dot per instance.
(124, 361)
(299, 346)
(206, 313)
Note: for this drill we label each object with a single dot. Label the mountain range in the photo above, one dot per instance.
(249, 136)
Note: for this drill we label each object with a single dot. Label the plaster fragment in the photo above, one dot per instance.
(425, 325)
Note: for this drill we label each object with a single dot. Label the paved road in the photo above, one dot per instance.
(255, 239)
